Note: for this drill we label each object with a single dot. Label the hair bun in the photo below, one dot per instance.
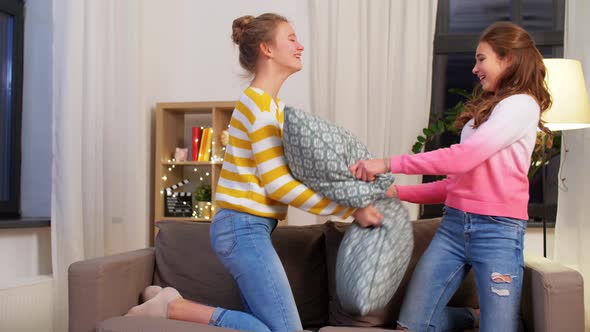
(238, 27)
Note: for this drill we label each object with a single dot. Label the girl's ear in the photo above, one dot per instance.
(265, 50)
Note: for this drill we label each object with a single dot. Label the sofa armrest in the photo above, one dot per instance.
(106, 287)
(553, 296)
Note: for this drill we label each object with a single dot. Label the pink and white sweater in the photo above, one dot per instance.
(487, 171)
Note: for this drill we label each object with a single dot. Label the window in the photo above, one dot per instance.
(458, 26)
(11, 62)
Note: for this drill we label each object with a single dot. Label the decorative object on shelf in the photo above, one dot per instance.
(178, 204)
(570, 108)
(195, 142)
(178, 185)
(224, 137)
(202, 202)
(205, 148)
(181, 154)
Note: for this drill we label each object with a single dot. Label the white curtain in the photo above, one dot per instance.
(372, 68)
(100, 137)
(572, 229)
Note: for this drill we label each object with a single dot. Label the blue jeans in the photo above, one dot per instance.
(493, 247)
(242, 243)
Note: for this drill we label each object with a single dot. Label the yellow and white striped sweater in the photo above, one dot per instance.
(255, 178)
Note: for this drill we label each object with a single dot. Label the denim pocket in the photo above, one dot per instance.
(223, 235)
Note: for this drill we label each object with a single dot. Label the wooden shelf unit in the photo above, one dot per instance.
(174, 122)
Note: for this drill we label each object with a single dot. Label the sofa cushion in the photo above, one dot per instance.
(185, 261)
(303, 254)
(371, 262)
(423, 231)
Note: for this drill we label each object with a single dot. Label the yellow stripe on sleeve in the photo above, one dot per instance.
(246, 112)
(274, 174)
(348, 213)
(285, 189)
(269, 154)
(236, 177)
(321, 205)
(244, 162)
(302, 198)
(264, 132)
(239, 143)
(258, 198)
(338, 209)
(235, 123)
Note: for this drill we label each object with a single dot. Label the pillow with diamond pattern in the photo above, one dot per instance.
(371, 261)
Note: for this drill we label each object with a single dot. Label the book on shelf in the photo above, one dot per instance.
(197, 132)
(205, 148)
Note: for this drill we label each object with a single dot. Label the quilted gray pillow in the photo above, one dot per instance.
(371, 261)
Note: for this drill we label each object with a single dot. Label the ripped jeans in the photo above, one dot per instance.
(493, 246)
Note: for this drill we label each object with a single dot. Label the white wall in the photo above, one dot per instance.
(25, 253)
(188, 54)
(533, 242)
(27, 306)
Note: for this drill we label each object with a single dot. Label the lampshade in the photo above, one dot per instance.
(570, 108)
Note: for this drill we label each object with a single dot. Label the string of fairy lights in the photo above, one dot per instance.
(204, 179)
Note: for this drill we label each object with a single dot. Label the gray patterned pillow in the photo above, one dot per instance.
(370, 262)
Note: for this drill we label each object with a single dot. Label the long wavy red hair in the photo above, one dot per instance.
(525, 74)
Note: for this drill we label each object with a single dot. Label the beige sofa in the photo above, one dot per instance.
(102, 290)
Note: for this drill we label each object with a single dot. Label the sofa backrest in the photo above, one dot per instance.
(185, 260)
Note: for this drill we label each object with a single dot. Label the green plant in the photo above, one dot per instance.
(545, 149)
(202, 193)
(440, 123)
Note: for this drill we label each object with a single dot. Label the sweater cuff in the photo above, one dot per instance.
(401, 192)
(348, 212)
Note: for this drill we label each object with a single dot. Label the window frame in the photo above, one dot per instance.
(10, 208)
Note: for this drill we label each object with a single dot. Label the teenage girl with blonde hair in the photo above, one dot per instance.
(254, 190)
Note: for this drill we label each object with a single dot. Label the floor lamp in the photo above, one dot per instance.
(570, 109)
